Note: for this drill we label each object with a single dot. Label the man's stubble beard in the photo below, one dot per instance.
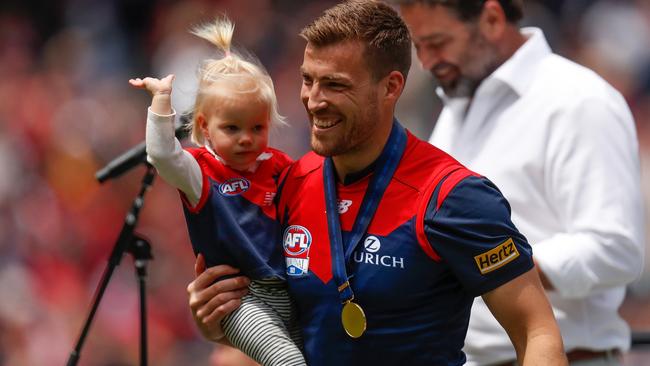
(352, 139)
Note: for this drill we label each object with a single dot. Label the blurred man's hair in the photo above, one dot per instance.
(468, 10)
(377, 25)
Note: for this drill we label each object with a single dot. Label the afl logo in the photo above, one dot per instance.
(372, 244)
(297, 240)
(234, 187)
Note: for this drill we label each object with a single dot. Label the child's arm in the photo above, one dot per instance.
(175, 165)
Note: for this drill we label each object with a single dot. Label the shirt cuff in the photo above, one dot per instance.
(160, 118)
(558, 258)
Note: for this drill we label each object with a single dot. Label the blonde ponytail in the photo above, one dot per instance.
(219, 33)
(244, 75)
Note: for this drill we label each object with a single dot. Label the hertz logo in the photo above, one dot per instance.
(503, 254)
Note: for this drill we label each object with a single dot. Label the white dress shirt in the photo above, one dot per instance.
(560, 143)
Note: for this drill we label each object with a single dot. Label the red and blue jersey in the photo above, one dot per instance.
(235, 220)
(441, 235)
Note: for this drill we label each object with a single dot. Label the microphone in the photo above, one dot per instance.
(136, 155)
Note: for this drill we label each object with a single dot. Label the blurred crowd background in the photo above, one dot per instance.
(66, 110)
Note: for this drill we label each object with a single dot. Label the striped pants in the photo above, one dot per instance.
(265, 326)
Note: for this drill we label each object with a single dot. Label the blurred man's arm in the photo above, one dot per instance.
(593, 183)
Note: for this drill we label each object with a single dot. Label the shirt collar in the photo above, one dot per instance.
(516, 72)
(357, 176)
(260, 158)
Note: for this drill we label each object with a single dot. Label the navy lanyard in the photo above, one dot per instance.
(386, 165)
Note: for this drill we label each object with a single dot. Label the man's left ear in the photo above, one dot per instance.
(394, 85)
(492, 21)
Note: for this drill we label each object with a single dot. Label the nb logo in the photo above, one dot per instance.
(344, 205)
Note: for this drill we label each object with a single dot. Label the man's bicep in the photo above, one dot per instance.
(521, 307)
(514, 302)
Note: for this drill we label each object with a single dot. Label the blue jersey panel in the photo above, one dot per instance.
(234, 222)
(472, 230)
(408, 300)
(229, 229)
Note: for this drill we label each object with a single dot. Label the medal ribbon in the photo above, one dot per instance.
(385, 168)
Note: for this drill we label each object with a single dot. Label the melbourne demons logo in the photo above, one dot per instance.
(296, 241)
(234, 186)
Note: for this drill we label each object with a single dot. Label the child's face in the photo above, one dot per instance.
(238, 130)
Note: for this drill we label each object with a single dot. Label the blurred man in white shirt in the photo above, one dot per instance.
(561, 145)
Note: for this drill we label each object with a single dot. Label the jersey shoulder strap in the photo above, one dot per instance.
(440, 184)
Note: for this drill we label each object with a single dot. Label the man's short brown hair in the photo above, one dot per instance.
(377, 25)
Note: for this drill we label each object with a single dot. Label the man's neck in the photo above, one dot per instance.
(362, 156)
(513, 40)
(351, 163)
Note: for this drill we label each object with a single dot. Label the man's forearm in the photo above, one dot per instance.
(543, 349)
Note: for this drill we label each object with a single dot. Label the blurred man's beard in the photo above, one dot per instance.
(479, 62)
(461, 87)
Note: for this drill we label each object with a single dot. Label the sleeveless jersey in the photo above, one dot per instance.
(235, 220)
(441, 235)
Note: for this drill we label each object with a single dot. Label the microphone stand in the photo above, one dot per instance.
(141, 251)
(130, 242)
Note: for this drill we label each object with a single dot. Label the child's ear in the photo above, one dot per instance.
(202, 123)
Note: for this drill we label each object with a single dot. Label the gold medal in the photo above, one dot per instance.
(353, 319)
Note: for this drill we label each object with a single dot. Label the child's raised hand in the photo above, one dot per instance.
(160, 89)
(154, 86)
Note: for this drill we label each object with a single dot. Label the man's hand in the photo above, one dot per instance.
(211, 301)
(160, 89)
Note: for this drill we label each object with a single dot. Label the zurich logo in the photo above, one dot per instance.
(372, 244)
(234, 186)
(370, 255)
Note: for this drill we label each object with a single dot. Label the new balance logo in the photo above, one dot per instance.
(268, 198)
(344, 206)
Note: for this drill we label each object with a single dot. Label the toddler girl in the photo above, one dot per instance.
(227, 187)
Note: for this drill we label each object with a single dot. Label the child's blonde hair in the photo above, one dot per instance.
(244, 75)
